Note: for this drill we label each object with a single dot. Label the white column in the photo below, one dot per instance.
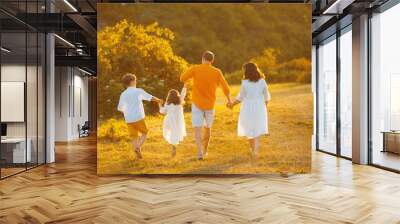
(62, 103)
(314, 91)
(360, 90)
(50, 94)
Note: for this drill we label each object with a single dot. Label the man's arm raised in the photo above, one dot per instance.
(188, 74)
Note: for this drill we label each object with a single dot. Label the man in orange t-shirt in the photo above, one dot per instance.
(206, 78)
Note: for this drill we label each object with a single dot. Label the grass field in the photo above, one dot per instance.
(286, 149)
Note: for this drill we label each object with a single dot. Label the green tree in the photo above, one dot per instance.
(145, 51)
(267, 61)
(236, 33)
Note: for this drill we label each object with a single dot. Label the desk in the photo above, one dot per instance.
(13, 150)
(391, 141)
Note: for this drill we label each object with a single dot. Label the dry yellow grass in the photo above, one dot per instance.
(286, 149)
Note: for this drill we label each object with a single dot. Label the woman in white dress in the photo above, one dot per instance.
(174, 128)
(254, 97)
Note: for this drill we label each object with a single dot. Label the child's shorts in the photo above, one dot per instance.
(137, 127)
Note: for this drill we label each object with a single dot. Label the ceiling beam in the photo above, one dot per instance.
(84, 24)
(78, 61)
(49, 22)
(337, 7)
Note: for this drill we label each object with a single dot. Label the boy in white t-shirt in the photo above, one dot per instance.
(131, 105)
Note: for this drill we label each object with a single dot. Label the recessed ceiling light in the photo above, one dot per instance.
(65, 41)
(337, 7)
(84, 71)
(70, 5)
(5, 50)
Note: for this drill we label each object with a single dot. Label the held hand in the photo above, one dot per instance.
(156, 100)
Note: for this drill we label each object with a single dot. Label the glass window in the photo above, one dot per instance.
(22, 92)
(14, 150)
(314, 90)
(327, 96)
(385, 89)
(346, 93)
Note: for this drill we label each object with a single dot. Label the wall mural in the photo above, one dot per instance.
(204, 88)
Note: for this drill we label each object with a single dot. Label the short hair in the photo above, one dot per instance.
(251, 72)
(128, 78)
(209, 56)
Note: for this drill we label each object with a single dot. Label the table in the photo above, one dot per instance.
(391, 141)
(13, 150)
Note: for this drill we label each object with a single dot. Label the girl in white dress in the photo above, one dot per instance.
(174, 128)
(254, 97)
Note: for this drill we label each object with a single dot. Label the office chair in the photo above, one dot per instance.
(84, 130)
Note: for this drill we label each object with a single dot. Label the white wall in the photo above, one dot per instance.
(33, 127)
(61, 103)
(16, 73)
(13, 73)
(71, 94)
(80, 104)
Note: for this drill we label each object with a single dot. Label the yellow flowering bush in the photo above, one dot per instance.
(113, 130)
(145, 51)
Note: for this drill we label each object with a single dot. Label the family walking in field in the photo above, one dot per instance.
(253, 97)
